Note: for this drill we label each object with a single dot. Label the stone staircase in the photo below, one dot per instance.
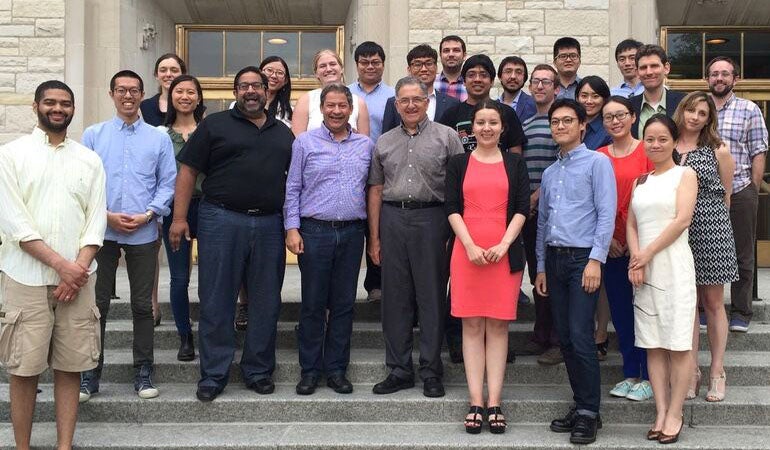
(239, 419)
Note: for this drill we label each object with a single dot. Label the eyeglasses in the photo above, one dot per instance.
(405, 101)
(121, 91)
(269, 71)
(481, 75)
(370, 62)
(566, 121)
(544, 81)
(416, 65)
(566, 56)
(621, 116)
(724, 74)
(257, 86)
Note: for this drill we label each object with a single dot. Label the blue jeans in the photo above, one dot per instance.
(235, 248)
(573, 316)
(330, 266)
(179, 268)
(620, 294)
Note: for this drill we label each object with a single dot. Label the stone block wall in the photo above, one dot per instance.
(31, 51)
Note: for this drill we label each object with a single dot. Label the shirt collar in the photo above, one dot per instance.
(515, 99)
(662, 100)
(327, 133)
(574, 153)
(420, 127)
(235, 112)
(574, 83)
(120, 124)
(361, 88)
(42, 137)
(729, 100)
(443, 77)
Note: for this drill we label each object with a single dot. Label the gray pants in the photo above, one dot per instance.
(414, 277)
(140, 264)
(743, 215)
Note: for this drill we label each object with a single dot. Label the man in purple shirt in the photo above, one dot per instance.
(324, 217)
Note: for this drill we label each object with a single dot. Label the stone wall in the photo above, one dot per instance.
(31, 51)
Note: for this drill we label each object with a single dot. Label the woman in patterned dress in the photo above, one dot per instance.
(711, 235)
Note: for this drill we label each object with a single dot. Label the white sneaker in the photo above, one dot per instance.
(622, 389)
(640, 391)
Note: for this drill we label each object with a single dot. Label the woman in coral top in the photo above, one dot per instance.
(629, 161)
(487, 201)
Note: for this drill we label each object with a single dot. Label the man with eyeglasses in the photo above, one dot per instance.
(450, 81)
(653, 67)
(576, 219)
(566, 58)
(512, 73)
(139, 162)
(421, 62)
(742, 127)
(245, 155)
(408, 233)
(370, 63)
(625, 58)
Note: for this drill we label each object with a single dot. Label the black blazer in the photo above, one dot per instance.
(391, 118)
(672, 101)
(518, 197)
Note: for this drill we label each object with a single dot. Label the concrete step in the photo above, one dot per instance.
(522, 404)
(368, 366)
(386, 436)
(369, 335)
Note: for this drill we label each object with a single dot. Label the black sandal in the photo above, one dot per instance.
(496, 425)
(473, 426)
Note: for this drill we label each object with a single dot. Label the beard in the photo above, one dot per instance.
(255, 111)
(723, 94)
(46, 124)
(512, 91)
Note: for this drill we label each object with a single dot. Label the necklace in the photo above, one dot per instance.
(625, 153)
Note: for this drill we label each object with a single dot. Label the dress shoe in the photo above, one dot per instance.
(339, 384)
(375, 295)
(584, 431)
(433, 387)
(262, 386)
(186, 348)
(392, 384)
(567, 423)
(551, 357)
(307, 385)
(531, 348)
(207, 393)
(664, 438)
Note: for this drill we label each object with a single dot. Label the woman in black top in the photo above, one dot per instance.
(167, 67)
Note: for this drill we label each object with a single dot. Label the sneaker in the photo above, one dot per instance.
(640, 391)
(551, 357)
(89, 385)
(739, 325)
(143, 383)
(622, 389)
(524, 298)
(702, 319)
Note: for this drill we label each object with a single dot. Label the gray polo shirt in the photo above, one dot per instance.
(413, 167)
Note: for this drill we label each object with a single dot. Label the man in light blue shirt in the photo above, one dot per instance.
(576, 219)
(139, 162)
(370, 63)
(566, 58)
(625, 58)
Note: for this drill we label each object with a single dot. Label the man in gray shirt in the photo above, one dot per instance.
(409, 229)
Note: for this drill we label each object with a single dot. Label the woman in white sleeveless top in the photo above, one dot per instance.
(307, 114)
(663, 274)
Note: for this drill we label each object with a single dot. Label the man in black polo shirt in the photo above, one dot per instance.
(244, 154)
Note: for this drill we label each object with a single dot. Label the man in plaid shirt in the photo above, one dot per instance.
(743, 129)
(449, 81)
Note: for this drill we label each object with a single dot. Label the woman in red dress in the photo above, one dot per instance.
(487, 201)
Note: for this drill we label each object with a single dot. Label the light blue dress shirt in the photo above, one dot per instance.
(625, 90)
(375, 103)
(141, 171)
(577, 204)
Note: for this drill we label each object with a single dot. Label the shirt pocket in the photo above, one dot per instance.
(578, 187)
(145, 164)
(78, 187)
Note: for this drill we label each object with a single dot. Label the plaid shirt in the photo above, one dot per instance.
(743, 129)
(456, 89)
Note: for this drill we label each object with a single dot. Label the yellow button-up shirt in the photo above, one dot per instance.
(51, 193)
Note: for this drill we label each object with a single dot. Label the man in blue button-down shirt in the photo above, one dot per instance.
(576, 219)
(139, 162)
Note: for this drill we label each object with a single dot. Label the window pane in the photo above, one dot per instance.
(723, 44)
(243, 50)
(285, 45)
(311, 44)
(684, 51)
(756, 55)
(215, 105)
(205, 53)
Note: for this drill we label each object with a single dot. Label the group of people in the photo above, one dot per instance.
(636, 203)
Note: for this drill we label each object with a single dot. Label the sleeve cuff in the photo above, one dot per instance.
(87, 240)
(26, 236)
(290, 223)
(598, 254)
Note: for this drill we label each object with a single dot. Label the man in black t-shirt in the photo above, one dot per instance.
(479, 75)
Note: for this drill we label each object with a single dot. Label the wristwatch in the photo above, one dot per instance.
(149, 215)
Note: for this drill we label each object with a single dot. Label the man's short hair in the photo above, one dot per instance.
(421, 51)
(248, 69)
(337, 87)
(727, 59)
(369, 48)
(452, 37)
(409, 81)
(568, 103)
(565, 42)
(52, 84)
(512, 60)
(126, 74)
(547, 67)
(626, 44)
(651, 50)
(479, 60)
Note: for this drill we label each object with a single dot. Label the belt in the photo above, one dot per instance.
(333, 223)
(568, 249)
(414, 205)
(248, 212)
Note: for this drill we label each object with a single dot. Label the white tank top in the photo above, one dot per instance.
(314, 116)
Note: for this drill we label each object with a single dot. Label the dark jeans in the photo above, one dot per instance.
(179, 268)
(373, 278)
(233, 249)
(329, 265)
(544, 331)
(743, 215)
(573, 316)
(140, 265)
(620, 294)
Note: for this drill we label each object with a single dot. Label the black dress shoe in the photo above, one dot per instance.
(432, 387)
(207, 393)
(339, 384)
(392, 384)
(567, 423)
(186, 348)
(262, 386)
(307, 384)
(584, 431)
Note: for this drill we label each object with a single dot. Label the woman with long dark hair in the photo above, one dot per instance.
(278, 88)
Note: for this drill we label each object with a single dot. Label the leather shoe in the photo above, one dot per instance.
(567, 423)
(339, 384)
(186, 348)
(307, 385)
(207, 393)
(584, 431)
(392, 384)
(262, 386)
(432, 387)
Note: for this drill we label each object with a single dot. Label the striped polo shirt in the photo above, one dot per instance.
(540, 150)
